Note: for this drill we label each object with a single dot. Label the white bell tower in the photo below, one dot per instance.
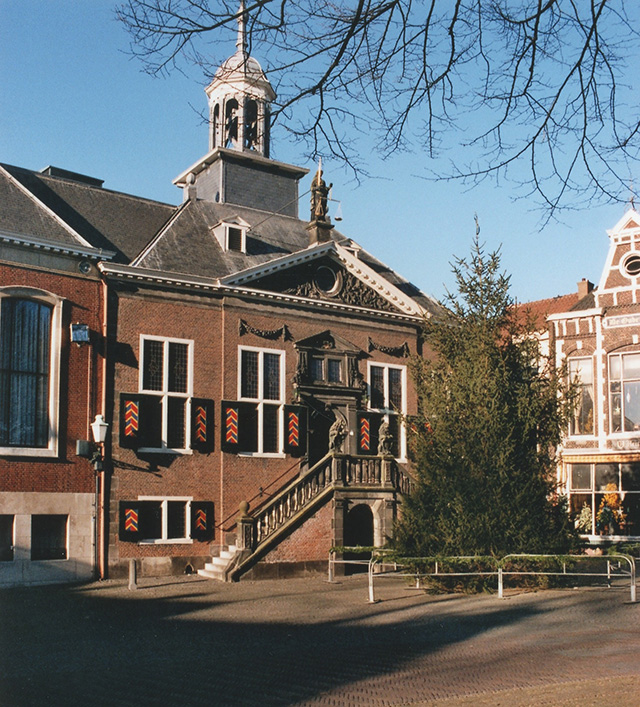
(239, 100)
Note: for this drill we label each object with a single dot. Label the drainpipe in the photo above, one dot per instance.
(102, 474)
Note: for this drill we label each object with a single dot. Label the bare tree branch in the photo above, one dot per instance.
(536, 91)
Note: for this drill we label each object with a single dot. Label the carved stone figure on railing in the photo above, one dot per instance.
(385, 438)
(337, 435)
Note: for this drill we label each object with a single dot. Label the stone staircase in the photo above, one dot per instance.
(260, 531)
(217, 568)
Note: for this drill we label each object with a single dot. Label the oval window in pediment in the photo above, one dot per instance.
(631, 265)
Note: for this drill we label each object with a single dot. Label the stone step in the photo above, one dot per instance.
(210, 574)
(219, 563)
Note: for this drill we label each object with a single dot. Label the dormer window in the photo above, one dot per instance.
(232, 235)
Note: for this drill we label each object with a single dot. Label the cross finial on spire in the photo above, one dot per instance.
(241, 42)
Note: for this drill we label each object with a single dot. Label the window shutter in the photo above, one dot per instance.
(130, 419)
(239, 426)
(202, 520)
(368, 426)
(202, 425)
(295, 430)
(130, 529)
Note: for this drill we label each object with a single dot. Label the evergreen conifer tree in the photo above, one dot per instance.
(492, 411)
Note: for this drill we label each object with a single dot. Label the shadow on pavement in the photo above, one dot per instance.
(67, 646)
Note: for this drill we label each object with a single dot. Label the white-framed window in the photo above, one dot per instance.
(581, 374)
(261, 380)
(605, 498)
(624, 392)
(166, 377)
(388, 395)
(165, 520)
(30, 341)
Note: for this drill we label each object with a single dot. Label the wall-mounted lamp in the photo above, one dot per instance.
(99, 429)
(94, 452)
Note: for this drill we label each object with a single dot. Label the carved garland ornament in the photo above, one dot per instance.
(283, 331)
(390, 350)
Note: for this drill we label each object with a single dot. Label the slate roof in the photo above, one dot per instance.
(106, 219)
(188, 246)
(155, 235)
(20, 214)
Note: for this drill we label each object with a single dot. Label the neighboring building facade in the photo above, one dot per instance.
(598, 340)
(252, 367)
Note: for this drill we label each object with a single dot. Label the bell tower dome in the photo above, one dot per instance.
(239, 100)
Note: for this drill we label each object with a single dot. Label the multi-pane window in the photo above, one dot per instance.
(25, 366)
(581, 374)
(605, 498)
(49, 537)
(165, 520)
(261, 378)
(166, 376)
(387, 393)
(624, 389)
(325, 369)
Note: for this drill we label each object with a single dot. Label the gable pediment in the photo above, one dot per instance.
(327, 279)
(328, 341)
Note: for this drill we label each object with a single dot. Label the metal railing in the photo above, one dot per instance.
(409, 567)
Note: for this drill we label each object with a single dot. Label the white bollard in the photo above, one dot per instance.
(133, 575)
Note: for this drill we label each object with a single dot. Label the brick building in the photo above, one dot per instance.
(251, 366)
(55, 226)
(597, 338)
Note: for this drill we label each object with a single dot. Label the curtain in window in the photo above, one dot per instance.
(25, 344)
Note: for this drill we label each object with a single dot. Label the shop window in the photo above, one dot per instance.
(49, 537)
(261, 380)
(387, 394)
(166, 379)
(6, 538)
(29, 352)
(624, 391)
(604, 499)
(581, 375)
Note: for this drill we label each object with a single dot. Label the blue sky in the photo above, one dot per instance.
(73, 98)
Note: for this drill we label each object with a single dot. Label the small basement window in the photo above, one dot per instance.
(6, 538)
(49, 537)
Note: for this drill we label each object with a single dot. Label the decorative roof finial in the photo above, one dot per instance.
(241, 42)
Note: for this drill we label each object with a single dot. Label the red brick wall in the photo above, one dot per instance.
(311, 541)
(224, 478)
(80, 397)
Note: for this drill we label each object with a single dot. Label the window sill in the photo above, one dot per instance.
(263, 455)
(27, 452)
(168, 541)
(164, 450)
